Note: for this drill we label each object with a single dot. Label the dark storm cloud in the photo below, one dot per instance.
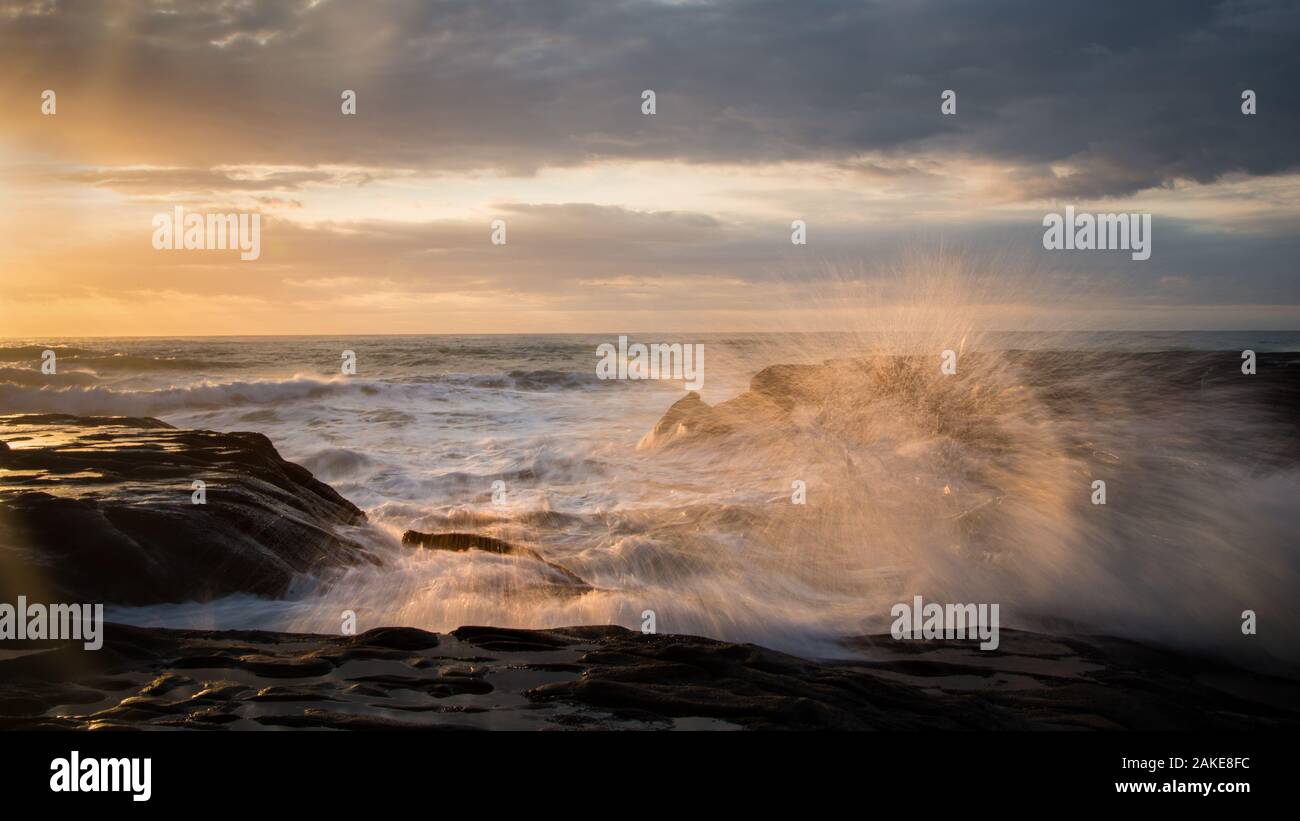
(1127, 95)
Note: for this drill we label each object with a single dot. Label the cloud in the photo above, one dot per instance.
(1126, 96)
(768, 111)
(191, 182)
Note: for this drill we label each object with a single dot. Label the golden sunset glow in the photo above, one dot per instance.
(379, 222)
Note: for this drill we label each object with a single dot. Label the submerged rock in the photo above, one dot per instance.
(103, 509)
(460, 542)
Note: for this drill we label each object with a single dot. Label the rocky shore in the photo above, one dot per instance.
(103, 509)
(603, 677)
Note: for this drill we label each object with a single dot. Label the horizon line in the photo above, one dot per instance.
(1057, 331)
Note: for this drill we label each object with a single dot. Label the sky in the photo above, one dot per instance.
(618, 221)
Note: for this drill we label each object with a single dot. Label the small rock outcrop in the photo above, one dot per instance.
(460, 542)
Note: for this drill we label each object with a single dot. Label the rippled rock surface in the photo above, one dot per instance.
(604, 677)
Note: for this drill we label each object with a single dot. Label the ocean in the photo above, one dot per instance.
(986, 499)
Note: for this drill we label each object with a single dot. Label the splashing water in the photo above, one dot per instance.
(966, 487)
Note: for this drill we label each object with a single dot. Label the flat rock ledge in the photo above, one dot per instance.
(604, 677)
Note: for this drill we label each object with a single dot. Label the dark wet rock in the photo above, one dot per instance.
(324, 719)
(1083, 683)
(100, 509)
(366, 690)
(278, 693)
(161, 685)
(462, 670)
(338, 656)
(436, 686)
(435, 708)
(459, 542)
(22, 706)
(506, 639)
(102, 726)
(67, 420)
(552, 667)
(109, 682)
(209, 719)
(262, 665)
(88, 693)
(604, 677)
(672, 677)
(837, 395)
(220, 691)
(137, 709)
(829, 393)
(396, 638)
(688, 416)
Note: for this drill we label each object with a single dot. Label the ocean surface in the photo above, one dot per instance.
(516, 437)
